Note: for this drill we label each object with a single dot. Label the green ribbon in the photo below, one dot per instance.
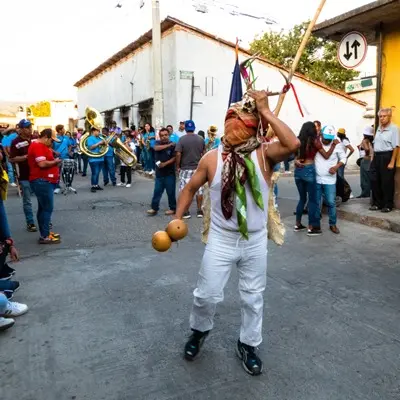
(241, 200)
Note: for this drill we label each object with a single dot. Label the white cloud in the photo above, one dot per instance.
(47, 45)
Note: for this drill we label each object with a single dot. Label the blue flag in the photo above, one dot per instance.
(236, 88)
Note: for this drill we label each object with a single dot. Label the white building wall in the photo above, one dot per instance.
(113, 87)
(62, 112)
(213, 60)
(212, 64)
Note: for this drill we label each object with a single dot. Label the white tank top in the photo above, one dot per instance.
(256, 217)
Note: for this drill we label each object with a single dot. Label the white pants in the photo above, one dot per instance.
(224, 249)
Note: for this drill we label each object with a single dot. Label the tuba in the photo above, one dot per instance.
(94, 119)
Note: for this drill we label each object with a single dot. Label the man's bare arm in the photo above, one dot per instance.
(48, 164)
(327, 154)
(288, 142)
(178, 157)
(199, 178)
(166, 163)
(392, 163)
(18, 159)
(161, 147)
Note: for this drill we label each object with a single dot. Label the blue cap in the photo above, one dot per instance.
(190, 126)
(328, 132)
(24, 123)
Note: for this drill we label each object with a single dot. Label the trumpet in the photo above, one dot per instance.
(94, 118)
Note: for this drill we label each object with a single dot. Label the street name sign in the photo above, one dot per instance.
(352, 50)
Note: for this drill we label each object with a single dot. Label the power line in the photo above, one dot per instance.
(203, 5)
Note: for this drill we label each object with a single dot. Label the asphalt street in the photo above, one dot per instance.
(109, 316)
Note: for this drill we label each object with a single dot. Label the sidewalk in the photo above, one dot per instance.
(357, 210)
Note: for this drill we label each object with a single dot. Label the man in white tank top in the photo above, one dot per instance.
(238, 173)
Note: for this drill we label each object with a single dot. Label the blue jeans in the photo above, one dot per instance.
(138, 154)
(169, 184)
(306, 183)
(4, 227)
(276, 190)
(149, 160)
(96, 167)
(340, 171)
(44, 191)
(85, 159)
(327, 194)
(27, 201)
(10, 172)
(109, 170)
(3, 304)
(287, 165)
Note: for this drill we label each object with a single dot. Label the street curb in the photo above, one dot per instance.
(374, 222)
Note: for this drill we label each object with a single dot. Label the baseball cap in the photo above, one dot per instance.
(49, 134)
(190, 126)
(342, 131)
(328, 132)
(24, 123)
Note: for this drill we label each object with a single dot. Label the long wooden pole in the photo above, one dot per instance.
(298, 56)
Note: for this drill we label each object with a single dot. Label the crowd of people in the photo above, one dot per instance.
(33, 161)
(179, 154)
(320, 170)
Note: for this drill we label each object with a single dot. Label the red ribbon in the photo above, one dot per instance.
(297, 99)
(286, 88)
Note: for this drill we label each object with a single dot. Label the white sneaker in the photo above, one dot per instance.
(13, 184)
(57, 191)
(151, 173)
(120, 184)
(6, 323)
(15, 309)
(128, 185)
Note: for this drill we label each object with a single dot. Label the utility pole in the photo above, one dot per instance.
(158, 106)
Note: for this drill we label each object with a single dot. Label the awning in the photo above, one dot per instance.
(364, 19)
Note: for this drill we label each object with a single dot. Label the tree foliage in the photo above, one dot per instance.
(319, 60)
(41, 109)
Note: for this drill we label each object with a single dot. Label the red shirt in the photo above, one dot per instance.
(39, 152)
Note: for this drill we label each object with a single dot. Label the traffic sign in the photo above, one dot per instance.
(352, 50)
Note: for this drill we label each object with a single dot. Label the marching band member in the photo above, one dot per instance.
(149, 138)
(94, 142)
(126, 169)
(109, 163)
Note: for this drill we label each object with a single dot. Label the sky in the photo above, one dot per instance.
(48, 45)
